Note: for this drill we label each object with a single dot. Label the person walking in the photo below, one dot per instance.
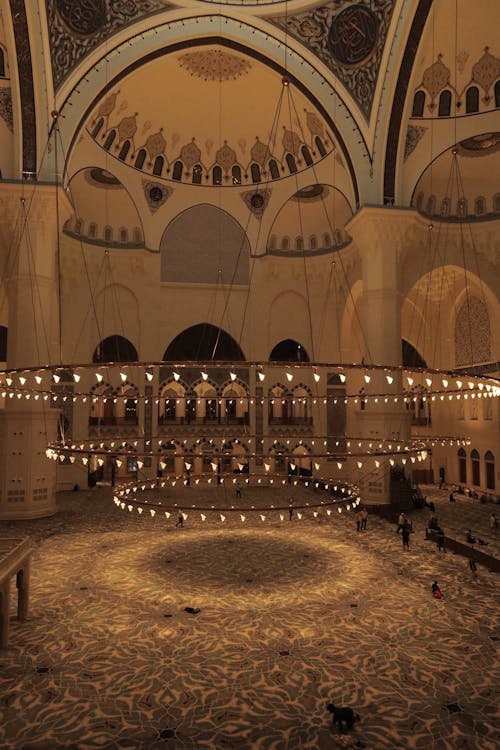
(406, 531)
(290, 512)
(180, 520)
(493, 523)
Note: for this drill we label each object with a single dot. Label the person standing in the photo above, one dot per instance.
(364, 519)
(180, 520)
(406, 530)
(290, 511)
(493, 523)
(440, 538)
(401, 521)
(358, 520)
(452, 497)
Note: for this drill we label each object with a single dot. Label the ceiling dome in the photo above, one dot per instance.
(312, 220)
(210, 115)
(462, 181)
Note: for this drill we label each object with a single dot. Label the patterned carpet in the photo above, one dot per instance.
(292, 615)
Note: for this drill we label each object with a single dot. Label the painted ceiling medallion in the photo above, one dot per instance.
(480, 145)
(353, 35)
(214, 65)
(84, 17)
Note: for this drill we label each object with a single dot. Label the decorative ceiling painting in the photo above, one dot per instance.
(76, 28)
(348, 38)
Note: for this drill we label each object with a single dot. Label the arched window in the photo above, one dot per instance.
(78, 226)
(137, 236)
(497, 94)
(476, 474)
(158, 165)
(124, 150)
(299, 244)
(327, 242)
(290, 160)
(197, 174)
(418, 104)
(273, 168)
(480, 206)
(431, 205)
(496, 203)
(338, 237)
(177, 171)
(109, 140)
(420, 201)
(285, 243)
(445, 207)
(140, 159)
(115, 349)
(462, 208)
(108, 234)
(472, 99)
(236, 174)
(255, 172)
(123, 235)
(313, 242)
(306, 154)
(92, 230)
(320, 146)
(97, 127)
(444, 107)
(462, 466)
(489, 464)
(217, 175)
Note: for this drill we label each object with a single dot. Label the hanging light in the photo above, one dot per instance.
(389, 379)
(367, 378)
(233, 376)
(261, 375)
(38, 379)
(289, 376)
(176, 376)
(342, 377)
(99, 377)
(317, 377)
(56, 378)
(204, 375)
(149, 376)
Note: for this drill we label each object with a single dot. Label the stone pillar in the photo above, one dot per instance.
(27, 477)
(379, 234)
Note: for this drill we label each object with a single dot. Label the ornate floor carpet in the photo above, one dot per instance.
(292, 615)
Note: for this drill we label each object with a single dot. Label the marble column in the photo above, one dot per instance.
(380, 235)
(27, 477)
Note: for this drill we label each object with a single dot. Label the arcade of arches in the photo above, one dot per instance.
(216, 183)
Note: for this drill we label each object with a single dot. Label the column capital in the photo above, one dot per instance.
(383, 225)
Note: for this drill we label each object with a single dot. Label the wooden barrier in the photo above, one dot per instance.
(471, 552)
(15, 557)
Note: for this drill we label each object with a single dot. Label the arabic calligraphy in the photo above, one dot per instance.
(84, 17)
(353, 35)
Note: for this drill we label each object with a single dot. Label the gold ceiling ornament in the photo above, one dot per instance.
(214, 65)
